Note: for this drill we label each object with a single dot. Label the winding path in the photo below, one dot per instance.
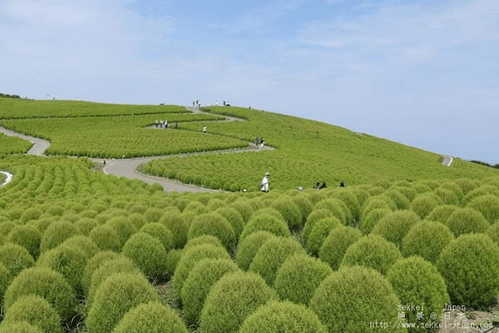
(128, 167)
(8, 178)
(447, 160)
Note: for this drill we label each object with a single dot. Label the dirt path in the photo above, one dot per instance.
(39, 145)
(447, 160)
(8, 178)
(128, 167)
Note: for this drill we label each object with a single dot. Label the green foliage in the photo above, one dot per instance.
(488, 205)
(84, 244)
(234, 218)
(85, 225)
(467, 220)
(290, 211)
(447, 196)
(15, 258)
(421, 289)
(264, 222)
(426, 239)
(160, 232)
(276, 317)
(336, 244)
(190, 258)
(152, 317)
(178, 227)
(424, 204)
(336, 208)
(37, 312)
(117, 295)
(45, 283)
(19, 327)
(123, 228)
(470, 267)
(442, 213)
(106, 238)
(493, 232)
(56, 234)
(340, 312)
(66, 260)
(201, 240)
(93, 264)
(372, 218)
(272, 254)
(13, 145)
(372, 251)
(5, 278)
(172, 259)
(148, 253)
(199, 283)
(248, 248)
(214, 225)
(298, 278)
(394, 226)
(231, 300)
(243, 208)
(319, 233)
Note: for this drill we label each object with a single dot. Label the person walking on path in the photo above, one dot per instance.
(205, 129)
(265, 185)
(166, 123)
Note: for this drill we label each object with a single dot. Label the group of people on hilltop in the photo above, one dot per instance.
(265, 184)
(164, 124)
(259, 142)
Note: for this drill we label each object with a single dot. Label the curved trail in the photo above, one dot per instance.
(8, 178)
(128, 167)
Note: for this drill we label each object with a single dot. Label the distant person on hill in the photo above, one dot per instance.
(205, 129)
(257, 141)
(156, 123)
(265, 185)
(166, 123)
(262, 143)
(322, 186)
(317, 185)
(342, 184)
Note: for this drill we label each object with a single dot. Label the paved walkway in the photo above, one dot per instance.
(128, 167)
(8, 178)
(447, 160)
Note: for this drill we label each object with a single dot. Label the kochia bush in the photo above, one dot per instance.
(298, 278)
(152, 317)
(106, 238)
(231, 300)
(36, 311)
(423, 204)
(19, 327)
(84, 244)
(372, 251)
(488, 205)
(249, 246)
(162, 233)
(442, 213)
(56, 234)
(265, 223)
(394, 227)
(467, 220)
(177, 225)
(426, 239)
(15, 258)
(27, 237)
(234, 218)
(148, 253)
(336, 244)
(276, 317)
(470, 267)
(214, 225)
(377, 304)
(290, 211)
(93, 264)
(372, 218)
(319, 233)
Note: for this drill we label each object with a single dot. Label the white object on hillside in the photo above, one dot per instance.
(8, 179)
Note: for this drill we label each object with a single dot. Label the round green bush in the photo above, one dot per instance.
(350, 200)
(85, 225)
(123, 228)
(56, 234)
(298, 278)
(106, 238)
(467, 220)
(214, 225)
(66, 260)
(190, 258)
(447, 196)
(424, 204)
(319, 233)
(426, 239)
(117, 295)
(442, 213)
(178, 227)
(394, 226)
(137, 220)
(231, 300)
(37, 312)
(172, 259)
(488, 205)
(470, 267)
(480, 191)
(268, 211)
(41, 225)
(152, 317)
(162, 233)
(6, 227)
(19, 327)
(153, 215)
(315, 216)
(398, 198)
(466, 185)
(340, 311)
(201, 240)
(372, 251)
(30, 214)
(107, 268)
(335, 207)
(304, 204)
(421, 288)
(372, 218)
(27, 237)
(272, 254)
(493, 232)
(199, 283)
(336, 244)
(93, 264)
(263, 222)
(276, 317)
(377, 202)
(84, 244)
(196, 208)
(249, 246)
(15, 258)
(407, 191)
(46, 283)
(290, 211)
(234, 218)
(454, 187)
(243, 208)
(148, 254)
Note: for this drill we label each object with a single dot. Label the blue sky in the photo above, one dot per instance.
(420, 72)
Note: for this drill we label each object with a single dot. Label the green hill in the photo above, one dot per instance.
(305, 152)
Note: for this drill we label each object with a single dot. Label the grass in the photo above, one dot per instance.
(307, 151)
(13, 145)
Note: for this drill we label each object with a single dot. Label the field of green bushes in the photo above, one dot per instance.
(12, 145)
(84, 252)
(307, 152)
